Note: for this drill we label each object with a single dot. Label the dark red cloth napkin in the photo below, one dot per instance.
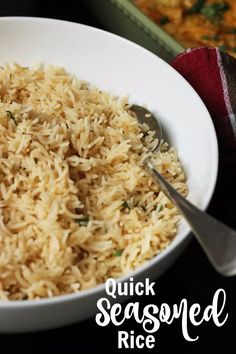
(212, 74)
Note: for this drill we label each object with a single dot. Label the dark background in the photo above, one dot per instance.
(190, 277)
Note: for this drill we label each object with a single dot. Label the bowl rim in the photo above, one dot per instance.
(13, 304)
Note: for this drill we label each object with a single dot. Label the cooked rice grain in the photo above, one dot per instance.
(76, 205)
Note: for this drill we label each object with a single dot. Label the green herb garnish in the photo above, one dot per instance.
(234, 49)
(214, 37)
(164, 20)
(159, 208)
(118, 253)
(82, 222)
(214, 12)
(11, 116)
(206, 38)
(125, 205)
(196, 7)
(223, 48)
(232, 30)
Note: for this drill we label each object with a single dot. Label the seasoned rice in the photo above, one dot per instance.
(76, 204)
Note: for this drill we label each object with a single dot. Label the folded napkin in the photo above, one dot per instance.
(212, 74)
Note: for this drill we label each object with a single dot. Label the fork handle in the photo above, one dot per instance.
(217, 239)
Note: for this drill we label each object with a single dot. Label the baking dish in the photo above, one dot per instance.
(124, 18)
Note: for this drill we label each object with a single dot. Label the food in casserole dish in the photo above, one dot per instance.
(195, 23)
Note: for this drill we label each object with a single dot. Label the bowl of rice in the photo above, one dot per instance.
(76, 205)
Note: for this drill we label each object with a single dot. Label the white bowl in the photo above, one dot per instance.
(123, 68)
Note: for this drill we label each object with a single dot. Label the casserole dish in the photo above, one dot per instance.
(124, 18)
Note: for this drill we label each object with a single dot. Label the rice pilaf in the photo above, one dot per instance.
(76, 204)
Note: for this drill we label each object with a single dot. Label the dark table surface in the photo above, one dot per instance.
(191, 277)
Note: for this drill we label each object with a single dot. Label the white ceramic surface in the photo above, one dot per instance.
(123, 68)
